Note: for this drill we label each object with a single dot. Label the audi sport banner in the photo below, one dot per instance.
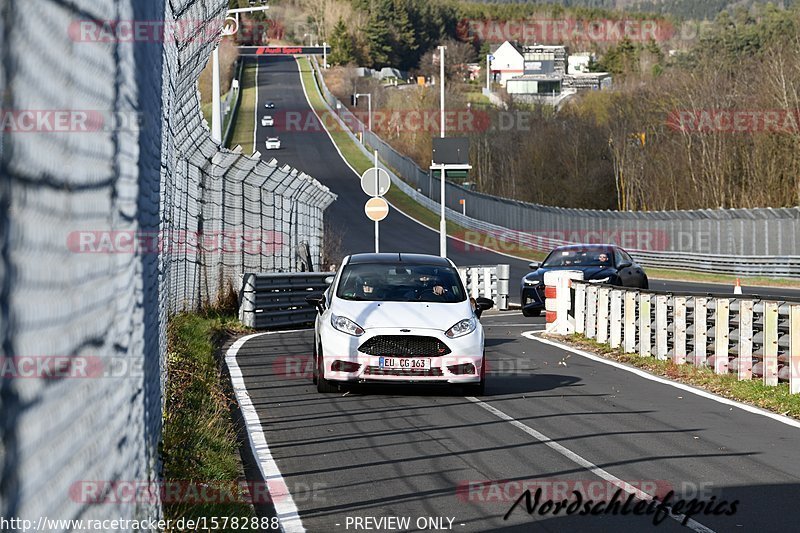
(282, 50)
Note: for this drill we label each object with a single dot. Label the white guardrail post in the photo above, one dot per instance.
(679, 330)
(580, 308)
(744, 359)
(645, 342)
(558, 300)
(770, 365)
(661, 327)
(700, 331)
(721, 335)
(602, 314)
(629, 330)
(794, 349)
(247, 301)
(615, 335)
(591, 311)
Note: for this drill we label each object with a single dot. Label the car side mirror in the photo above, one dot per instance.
(481, 305)
(328, 280)
(624, 265)
(317, 301)
(533, 265)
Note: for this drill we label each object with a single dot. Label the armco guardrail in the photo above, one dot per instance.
(747, 336)
(762, 242)
(279, 300)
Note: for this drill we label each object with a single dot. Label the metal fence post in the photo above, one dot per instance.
(770, 364)
(679, 330)
(721, 334)
(645, 342)
(629, 330)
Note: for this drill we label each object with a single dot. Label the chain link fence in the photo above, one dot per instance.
(116, 210)
(726, 241)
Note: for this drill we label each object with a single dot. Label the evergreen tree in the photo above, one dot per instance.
(378, 36)
(342, 48)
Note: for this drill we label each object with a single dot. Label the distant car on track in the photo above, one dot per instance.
(267, 120)
(600, 263)
(273, 143)
(270, 105)
(402, 318)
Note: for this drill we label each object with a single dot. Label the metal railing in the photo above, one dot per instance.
(756, 242)
(279, 300)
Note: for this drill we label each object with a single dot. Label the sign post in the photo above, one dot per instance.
(375, 182)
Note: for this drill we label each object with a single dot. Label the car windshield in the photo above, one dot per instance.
(400, 282)
(578, 258)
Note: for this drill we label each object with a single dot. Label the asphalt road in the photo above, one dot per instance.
(380, 451)
(550, 418)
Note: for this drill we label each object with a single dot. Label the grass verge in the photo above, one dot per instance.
(753, 392)
(412, 208)
(245, 118)
(200, 446)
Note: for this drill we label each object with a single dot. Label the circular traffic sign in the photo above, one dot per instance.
(376, 209)
(368, 182)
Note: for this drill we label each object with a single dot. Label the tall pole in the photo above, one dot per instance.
(216, 103)
(369, 111)
(377, 181)
(442, 221)
(488, 74)
(324, 55)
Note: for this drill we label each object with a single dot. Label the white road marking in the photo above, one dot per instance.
(688, 388)
(285, 507)
(585, 463)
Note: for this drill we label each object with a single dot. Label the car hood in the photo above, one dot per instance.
(440, 316)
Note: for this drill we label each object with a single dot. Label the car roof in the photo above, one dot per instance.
(417, 259)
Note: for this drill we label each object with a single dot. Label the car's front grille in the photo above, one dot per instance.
(404, 346)
(405, 372)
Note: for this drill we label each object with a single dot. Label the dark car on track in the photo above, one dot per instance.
(600, 263)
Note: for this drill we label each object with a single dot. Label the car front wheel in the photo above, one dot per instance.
(531, 312)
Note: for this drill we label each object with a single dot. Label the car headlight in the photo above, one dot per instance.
(462, 328)
(345, 325)
(531, 282)
(601, 280)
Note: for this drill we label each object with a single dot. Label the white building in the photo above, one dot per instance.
(579, 63)
(507, 63)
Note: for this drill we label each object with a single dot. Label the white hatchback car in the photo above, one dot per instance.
(267, 120)
(398, 318)
(273, 143)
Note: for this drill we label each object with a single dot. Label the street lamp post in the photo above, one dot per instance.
(489, 58)
(216, 97)
(442, 221)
